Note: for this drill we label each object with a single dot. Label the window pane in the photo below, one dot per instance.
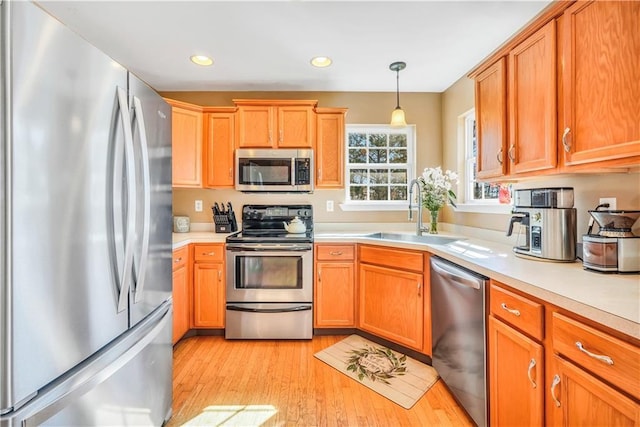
(358, 192)
(358, 155)
(398, 176)
(477, 191)
(397, 140)
(358, 176)
(378, 192)
(398, 192)
(491, 191)
(377, 140)
(377, 156)
(379, 176)
(357, 140)
(397, 156)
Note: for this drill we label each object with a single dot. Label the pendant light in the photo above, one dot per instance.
(397, 116)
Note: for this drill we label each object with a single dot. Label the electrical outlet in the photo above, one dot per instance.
(198, 206)
(329, 205)
(611, 201)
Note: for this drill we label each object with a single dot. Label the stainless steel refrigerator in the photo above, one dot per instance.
(85, 233)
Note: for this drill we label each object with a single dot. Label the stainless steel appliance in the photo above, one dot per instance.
(458, 334)
(85, 241)
(270, 275)
(548, 219)
(614, 248)
(274, 170)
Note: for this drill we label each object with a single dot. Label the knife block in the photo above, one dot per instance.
(225, 223)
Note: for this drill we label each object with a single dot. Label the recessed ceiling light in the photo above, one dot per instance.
(321, 61)
(201, 60)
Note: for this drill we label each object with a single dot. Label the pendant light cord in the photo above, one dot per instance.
(397, 88)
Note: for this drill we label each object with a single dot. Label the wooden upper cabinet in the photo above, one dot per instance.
(218, 148)
(601, 83)
(275, 124)
(329, 149)
(532, 102)
(186, 144)
(491, 120)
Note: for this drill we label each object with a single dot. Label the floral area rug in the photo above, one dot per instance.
(397, 377)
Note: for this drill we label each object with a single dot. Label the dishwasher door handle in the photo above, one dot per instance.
(456, 275)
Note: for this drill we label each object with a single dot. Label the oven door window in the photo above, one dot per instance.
(265, 171)
(266, 272)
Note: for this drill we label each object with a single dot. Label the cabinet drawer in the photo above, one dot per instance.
(608, 357)
(208, 252)
(518, 311)
(180, 256)
(334, 252)
(394, 258)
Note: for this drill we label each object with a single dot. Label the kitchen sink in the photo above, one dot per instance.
(428, 239)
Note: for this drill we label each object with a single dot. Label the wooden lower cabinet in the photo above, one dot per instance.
(209, 286)
(334, 287)
(516, 380)
(581, 399)
(391, 304)
(181, 306)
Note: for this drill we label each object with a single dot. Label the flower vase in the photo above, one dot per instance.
(433, 228)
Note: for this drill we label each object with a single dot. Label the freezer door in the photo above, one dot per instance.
(151, 128)
(66, 244)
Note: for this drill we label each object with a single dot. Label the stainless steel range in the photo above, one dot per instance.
(270, 274)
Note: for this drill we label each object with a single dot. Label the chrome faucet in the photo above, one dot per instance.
(419, 228)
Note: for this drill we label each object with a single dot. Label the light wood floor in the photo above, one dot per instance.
(280, 383)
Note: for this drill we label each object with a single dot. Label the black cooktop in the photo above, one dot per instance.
(265, 224)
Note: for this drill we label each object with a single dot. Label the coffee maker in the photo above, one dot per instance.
(548, 219)
(614, 248)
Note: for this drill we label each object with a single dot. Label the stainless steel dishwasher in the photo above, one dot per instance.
(458, 333)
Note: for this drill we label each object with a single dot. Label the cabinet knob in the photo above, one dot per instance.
(565, 139)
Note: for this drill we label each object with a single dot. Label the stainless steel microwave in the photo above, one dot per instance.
(274, 170)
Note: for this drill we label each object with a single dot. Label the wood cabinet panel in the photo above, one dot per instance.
(335, 295)
(518, 311)
(532, 102)
(581, 400)
(208, 295)
(491, 120)
(390, 257)
(516, 380)
(218, 150)
(296, 127)
(180, 257)
(181, 300)
(391, 304)
(329, 152)
(601, 82)
(255, 126)
(335, 252)
(213, 252)
(186, 147)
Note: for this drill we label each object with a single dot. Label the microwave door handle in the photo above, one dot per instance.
(293, 172)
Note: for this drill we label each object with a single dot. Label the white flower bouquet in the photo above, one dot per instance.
(437, 188)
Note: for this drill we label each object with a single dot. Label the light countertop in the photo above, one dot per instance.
(610, 299)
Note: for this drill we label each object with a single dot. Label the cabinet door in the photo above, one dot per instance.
(296, 127)
(391, 304)
(186, 147)
(218, 150)
(329, 152)
(532, 102)
(334, 295)
(208, 295)
(601, 82)
(516, 377)
(491, 119)
(256, 126)
(583, 400)
(180, 303)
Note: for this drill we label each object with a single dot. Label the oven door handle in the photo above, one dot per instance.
(262, 247)
(269, 310)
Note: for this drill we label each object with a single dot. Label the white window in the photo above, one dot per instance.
(379, 166)
(479, 196)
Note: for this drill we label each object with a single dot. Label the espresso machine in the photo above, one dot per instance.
(614, 248)
(547, 219)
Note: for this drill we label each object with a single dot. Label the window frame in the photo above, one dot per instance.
(410, 166)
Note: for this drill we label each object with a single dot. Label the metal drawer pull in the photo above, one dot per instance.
(510, 152)
(419, 288)
(335, 253)
(177, 260)
(567, 146)
(556, 381)
(208, 253)
(219, 275)
(510, 310)
(499, 156)
(605, 359)
(532, 365)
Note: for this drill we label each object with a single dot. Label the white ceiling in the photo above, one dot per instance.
(267, 45)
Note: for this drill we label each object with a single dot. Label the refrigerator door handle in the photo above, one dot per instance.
(141, 266)
(129, 156)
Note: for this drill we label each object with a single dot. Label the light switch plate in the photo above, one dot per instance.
(329, 205)
(198, 206)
